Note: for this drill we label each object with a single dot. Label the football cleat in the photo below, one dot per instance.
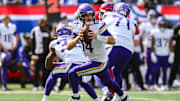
(121, 98)
(74, 98)
(106, 98)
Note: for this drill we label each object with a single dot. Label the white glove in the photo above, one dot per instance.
(153, 57)
(171, 58)
(2, 56)
(86, 78)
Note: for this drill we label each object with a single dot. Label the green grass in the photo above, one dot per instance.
(18, 94)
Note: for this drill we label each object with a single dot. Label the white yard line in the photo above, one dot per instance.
(154, 92)
(150, 99)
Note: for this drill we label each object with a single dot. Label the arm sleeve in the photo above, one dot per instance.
(106, 33)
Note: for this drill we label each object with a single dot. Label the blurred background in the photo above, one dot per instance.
(27, 14)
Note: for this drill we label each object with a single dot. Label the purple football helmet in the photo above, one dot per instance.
(122, 8)
(63, 30)
(85, 9)
(161, 22)
(151, 13)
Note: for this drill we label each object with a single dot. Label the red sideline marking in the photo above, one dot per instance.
(36, 10)
(170, 10)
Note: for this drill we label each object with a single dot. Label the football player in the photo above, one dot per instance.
(104, 8)
(123, 29)
(8, 44)
(145, 42)
(71, 58)
(161, 54)
(93, 40)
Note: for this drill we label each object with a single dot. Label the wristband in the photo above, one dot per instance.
(103, 39)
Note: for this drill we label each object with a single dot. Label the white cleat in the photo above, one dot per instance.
(45, 98)
(157, 88)
(74, 98)
(116, 97)
(106, 98)
(164, 88)
(122, 98)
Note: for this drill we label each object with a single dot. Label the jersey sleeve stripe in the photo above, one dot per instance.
(70, 25)
(60, 67)
(90, 69)
(101, 29)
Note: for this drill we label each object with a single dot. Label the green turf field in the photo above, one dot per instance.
(18, 94)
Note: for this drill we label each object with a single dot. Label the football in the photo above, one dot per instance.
(85, 35)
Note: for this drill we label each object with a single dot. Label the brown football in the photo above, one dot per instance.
(85, 35)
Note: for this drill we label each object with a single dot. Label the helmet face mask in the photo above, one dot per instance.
(86, 10)
(101, 13)
(161, 23)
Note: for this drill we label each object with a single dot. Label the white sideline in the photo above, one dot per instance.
(150, 99)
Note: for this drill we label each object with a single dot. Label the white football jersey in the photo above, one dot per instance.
(121, 28)
(96, 51)
(162, 41)
(146, 28)
(7, 35)
(75, 55)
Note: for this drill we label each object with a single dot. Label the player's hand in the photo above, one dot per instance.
(171, 58)
(5, 50)
(91, 34)
(13, 48)
(153, 57)
(81, 33)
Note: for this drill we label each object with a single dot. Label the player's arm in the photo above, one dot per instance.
(72, 43)
(153, 56)
(153, 43)
(49, 59)
(136, 41)
(171, 55)
(15, 42)
(105, 37)
(3, 48)
(171, 44)
(141, 42)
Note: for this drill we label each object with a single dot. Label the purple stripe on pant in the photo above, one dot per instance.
(51, 81)
(103, 74)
